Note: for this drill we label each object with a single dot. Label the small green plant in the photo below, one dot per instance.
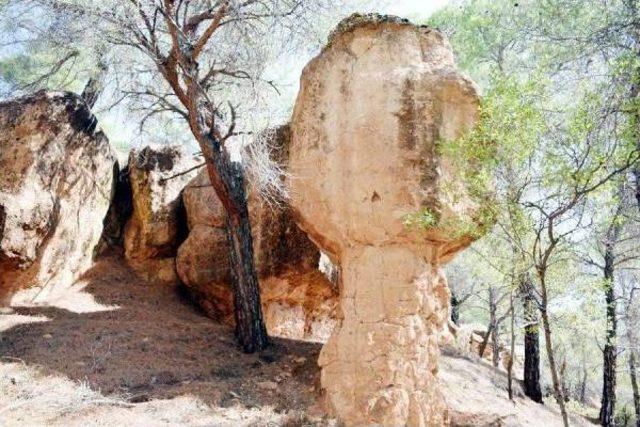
(424, 219)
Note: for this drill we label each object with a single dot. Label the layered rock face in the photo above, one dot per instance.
(298, 300)
(55, 185)
(371, 108)
(157, 225)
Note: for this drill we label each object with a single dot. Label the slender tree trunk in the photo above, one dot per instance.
(608, 401)
(563, 378)
(455, 308)
(632, 359)
(95, 86)
(531, 375)
(583, 386)
(493, 324)
(227, 178)
(634, 89)
(485, 340)
(512, 353)
(495, 333)
(546, 325)
(633, 375)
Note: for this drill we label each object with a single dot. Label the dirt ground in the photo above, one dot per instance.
(118, 344)
(119, 351)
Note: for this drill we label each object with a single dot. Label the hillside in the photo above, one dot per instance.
(122, 351)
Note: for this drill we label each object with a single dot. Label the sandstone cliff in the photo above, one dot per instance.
(55, 187)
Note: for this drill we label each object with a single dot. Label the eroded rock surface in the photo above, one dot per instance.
(298, 300)
(371, 108)
(55, 184)
(157, 225)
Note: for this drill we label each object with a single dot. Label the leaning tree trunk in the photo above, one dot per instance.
(227, 178)
(608, 402)
(531, 375)
(546, 326)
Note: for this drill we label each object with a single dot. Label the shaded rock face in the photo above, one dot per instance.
(157, 225)
(119, 211)
(298, 301)
(371, 108)
(54, 192)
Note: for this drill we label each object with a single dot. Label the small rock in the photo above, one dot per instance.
(300, 360)
(139, 398)
(47, 336)
(267, 385)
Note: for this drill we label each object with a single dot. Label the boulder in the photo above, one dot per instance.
(363, 159)
(55, 185)
(157, 225)
(298, 301)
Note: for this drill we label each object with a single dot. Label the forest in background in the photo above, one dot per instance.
(558, 141)
(557, 276)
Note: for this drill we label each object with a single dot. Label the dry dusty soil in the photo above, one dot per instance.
(121, 351)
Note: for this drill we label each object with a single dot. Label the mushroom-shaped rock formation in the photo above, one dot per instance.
(157, 225)
(298, 301)
(371, 110)
(56, 173)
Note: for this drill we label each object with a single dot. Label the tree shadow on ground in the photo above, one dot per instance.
(157, 345)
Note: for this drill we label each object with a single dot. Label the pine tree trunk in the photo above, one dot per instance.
(512, 352)
(455, 308)
(227, 179)
(546, 326)
(634, 384)
(250, 327)
(632, 359)
(634, 90)
(531, 375)
(583, 386)
(495, 337)
(563, 378)
(485, 340)
(608, 401)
